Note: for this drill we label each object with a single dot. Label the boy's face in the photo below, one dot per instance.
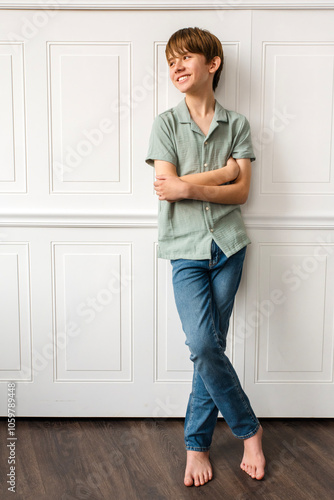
(190, 72)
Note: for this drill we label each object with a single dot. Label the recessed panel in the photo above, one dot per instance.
(10, 356)
(294, 313)
(90, 79)
(6, 123)
(172, 354)
(90, 117)
(93, 311)
(296, 330)
(95, 303)
(297, 129)
(12, 119)
(15, 331)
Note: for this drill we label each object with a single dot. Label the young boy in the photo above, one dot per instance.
(202, 156)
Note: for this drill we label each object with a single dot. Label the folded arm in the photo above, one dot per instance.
(216, 177)
(205, 186)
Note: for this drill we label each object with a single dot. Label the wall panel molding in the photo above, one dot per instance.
(15, 325)
(92, 311)
(164, 5)
(150, 219)
(290, 103)
(282, 355)
(89, 220)
(172, 363)
(13, 175)
(90, 135)
(171, 356)
(78, 340)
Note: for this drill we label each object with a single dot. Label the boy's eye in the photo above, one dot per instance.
(173, 62)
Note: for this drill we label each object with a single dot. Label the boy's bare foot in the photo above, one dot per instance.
(253, 461)
(232, 169)
(198, 468)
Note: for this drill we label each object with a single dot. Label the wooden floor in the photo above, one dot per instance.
(144, 459)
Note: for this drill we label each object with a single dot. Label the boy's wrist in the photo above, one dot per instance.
(192, 191)
(186, 190)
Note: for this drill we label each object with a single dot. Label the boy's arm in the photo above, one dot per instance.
(171, 188)
(231, 194)
(216, 177)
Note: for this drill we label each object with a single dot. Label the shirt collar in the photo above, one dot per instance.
(183, 114)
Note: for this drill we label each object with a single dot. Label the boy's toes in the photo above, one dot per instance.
(259, 473)
(197, 481)
(188, 480)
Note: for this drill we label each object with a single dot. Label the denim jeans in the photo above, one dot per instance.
(204, 293)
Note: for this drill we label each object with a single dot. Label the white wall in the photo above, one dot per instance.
(88, 324)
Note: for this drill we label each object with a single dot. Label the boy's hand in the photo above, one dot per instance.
(170, 188)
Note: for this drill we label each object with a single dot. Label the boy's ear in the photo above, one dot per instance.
(214, 64)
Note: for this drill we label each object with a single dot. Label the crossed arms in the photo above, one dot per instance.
(204, 186)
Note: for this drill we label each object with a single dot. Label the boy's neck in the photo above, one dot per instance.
(201, 106)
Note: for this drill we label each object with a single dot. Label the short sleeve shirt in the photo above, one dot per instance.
(186, 228)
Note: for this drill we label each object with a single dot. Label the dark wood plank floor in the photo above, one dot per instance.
(144, 459)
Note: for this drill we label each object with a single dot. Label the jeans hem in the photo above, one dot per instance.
(196, 448)
(250, 434)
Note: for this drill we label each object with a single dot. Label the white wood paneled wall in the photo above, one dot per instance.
(88, 325)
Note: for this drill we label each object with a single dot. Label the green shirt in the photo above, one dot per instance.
(186, 228)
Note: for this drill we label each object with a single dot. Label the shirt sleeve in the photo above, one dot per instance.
(161, 144)
(243, 147)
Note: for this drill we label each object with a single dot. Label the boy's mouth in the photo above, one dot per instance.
(182, 78)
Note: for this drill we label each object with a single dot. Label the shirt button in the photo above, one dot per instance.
(206, 142)
(211, 230)
(205, 164)
(207, 208)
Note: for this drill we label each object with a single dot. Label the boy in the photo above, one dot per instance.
(198, 148)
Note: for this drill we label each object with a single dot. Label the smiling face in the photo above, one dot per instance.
(191, 73)
(188, 43)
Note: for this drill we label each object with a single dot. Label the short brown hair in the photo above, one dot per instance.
(198, 41)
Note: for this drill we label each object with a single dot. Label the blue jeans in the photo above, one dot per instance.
(204, 293)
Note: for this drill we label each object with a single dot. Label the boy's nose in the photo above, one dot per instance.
(178, 66)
